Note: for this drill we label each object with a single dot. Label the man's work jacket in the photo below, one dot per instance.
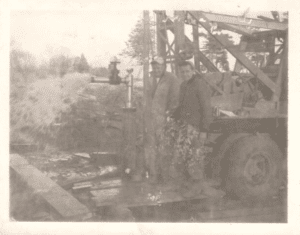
(164, 96)
(195, 103)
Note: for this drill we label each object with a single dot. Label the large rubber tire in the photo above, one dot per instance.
(256, 168)
(219, 158)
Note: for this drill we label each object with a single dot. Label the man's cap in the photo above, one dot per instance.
(158, 60)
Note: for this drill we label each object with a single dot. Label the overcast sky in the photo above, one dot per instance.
(99, 35)
(96, 32)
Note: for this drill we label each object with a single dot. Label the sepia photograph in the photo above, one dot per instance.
(138, 116)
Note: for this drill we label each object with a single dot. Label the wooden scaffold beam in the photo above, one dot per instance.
(242, 21)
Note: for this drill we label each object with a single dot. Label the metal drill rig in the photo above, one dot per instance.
(248, 136)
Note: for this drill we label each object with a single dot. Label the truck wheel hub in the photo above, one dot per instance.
(257, 169)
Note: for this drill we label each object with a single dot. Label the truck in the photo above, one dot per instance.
(248, 136)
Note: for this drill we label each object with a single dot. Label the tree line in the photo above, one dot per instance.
(24, 67)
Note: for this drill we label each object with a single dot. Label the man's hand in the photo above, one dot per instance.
(203, 137)
(175, 114)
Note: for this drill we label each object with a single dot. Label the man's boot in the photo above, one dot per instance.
(153, 171)
(193, 189)
(153, 179)
(137, 176)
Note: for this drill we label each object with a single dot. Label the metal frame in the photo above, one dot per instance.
(246, 26)
(165, 25)
(241, 21)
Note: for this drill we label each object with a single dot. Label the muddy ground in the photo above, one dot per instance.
(66, 168)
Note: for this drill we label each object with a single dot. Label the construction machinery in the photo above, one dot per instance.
(249, 133)
(247, 139)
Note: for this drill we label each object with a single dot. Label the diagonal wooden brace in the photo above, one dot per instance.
(205, 23)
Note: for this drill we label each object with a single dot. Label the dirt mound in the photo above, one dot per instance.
(65, 111)
(43, 105)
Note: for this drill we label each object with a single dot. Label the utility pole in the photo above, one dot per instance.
(179, 36)
(146, 41)
(146, 101)
(161, 32)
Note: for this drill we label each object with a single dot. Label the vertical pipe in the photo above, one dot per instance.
(130, 130)
(129, 148)
(129, 92)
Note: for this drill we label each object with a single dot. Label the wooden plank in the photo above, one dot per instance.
(62, 202)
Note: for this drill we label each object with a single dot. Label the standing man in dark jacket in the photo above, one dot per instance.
(195, 99)
(195, 115)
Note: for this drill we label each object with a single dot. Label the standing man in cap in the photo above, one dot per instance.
(164, 95)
